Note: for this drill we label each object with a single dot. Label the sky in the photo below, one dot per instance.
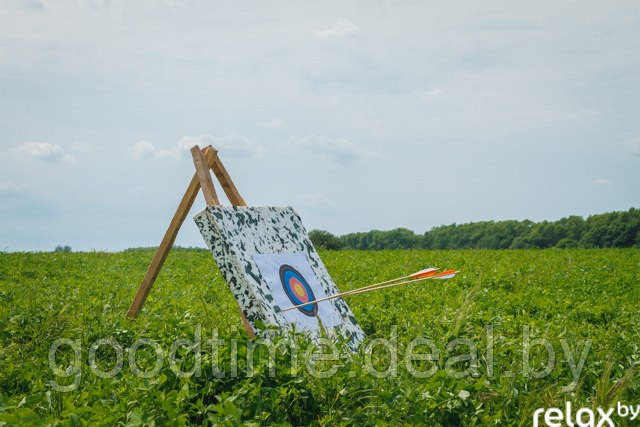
(361, 115)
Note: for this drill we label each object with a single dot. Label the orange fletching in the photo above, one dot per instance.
(424, 273)
(447, 274)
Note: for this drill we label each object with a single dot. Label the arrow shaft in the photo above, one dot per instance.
(374, 285)
(426, 271)
(364, 289)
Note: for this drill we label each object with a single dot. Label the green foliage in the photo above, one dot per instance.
(399, 238)
(324, 240)
(609, 230)
(573, 294)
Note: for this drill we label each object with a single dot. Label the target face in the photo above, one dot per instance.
(298, 290)
(290, 281)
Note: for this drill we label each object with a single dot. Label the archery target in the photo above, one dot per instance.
(291, 281)
(250, 245)
(298, 290)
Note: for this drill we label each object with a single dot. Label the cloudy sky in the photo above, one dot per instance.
(361, 115)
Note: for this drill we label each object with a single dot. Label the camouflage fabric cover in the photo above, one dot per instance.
(236, 234)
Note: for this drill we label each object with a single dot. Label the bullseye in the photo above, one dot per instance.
(298, 290)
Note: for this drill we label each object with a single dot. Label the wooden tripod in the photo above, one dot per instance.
(203, 160)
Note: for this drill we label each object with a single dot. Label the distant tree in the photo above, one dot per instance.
(544, 234)
(426, 242)
(324, 240)
(615, 235)
(573, 227)
(521, 242)
(62, 249)
(399, 238)
(566, 242)
(352, 241)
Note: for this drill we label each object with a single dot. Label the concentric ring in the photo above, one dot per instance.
(298, 290)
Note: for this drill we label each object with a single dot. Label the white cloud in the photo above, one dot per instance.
(240, 147)
(233, 146)
(601, 182)
(144, 150)
(317, 202)
(45, 151)
(341, 149)
(342, 27)
(81, 147)
(273, 124)
(7, 188)
(428, 95)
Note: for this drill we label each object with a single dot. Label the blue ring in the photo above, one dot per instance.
(286, 274)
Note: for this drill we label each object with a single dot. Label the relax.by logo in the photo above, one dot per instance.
(583, 417)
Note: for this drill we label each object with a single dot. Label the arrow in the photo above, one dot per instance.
(419, 276)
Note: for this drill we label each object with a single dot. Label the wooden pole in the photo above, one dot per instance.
(227, 184)
(236, 200)
(202, 171)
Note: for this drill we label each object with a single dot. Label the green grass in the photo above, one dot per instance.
(570, 295)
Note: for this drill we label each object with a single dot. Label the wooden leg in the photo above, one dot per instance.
(204, 176)
(167, 240)
(227, 184)
(236, 200)
(202, 170)
(247, 326)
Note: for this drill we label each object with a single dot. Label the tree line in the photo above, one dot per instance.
(607, 230)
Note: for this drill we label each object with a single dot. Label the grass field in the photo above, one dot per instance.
(569, 297)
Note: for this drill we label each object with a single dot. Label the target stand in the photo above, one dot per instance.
(264, 254)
